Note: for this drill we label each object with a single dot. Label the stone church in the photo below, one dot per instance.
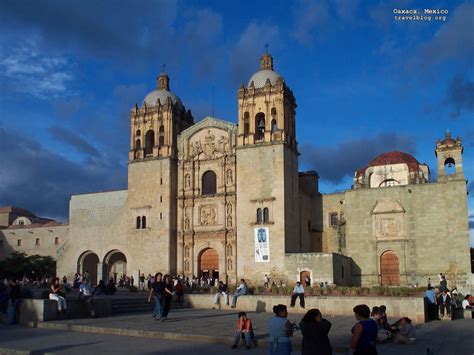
(228, 200)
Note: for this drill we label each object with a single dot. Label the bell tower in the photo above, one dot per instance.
(152, 177)
(449, 153)
(266, 108)
(267, 173)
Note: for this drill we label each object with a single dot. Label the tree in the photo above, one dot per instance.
(18, 265)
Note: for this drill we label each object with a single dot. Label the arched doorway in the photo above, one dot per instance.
(209, 263)
(115, 265)
(303, 275)
(389, 269)
(87, 263)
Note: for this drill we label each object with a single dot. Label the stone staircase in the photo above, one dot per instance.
(131, 305)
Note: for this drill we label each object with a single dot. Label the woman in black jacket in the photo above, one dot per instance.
(315, 331)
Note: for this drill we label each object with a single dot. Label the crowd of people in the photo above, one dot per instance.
(441, 301)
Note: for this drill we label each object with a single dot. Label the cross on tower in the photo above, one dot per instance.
(164, 68)
(266, 48)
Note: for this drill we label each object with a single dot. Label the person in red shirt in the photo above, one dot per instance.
(243, 330)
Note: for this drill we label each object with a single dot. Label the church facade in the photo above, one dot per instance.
(228, 201)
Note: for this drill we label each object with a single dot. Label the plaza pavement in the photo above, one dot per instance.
(192, 331)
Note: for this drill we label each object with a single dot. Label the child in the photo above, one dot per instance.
(243, 330)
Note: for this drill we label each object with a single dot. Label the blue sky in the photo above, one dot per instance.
(70, 71)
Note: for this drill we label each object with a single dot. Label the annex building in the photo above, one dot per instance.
(228, 200)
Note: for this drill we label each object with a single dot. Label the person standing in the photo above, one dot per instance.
(444, 302)
(298, 291)
(56, 295)
(280, 331)
(443, 284)
(168, 296)
(364, 333)
(240, 291)
(307, 281)
(430, 299)
(142, 282)
(158, 292)
(315, 330)
(222, 292)
(266, 281)
(14, 296)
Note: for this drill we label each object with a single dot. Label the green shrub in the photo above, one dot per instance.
(275, 290)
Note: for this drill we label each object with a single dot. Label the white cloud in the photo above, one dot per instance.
(25, 70)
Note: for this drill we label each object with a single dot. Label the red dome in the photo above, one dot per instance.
(390, 158)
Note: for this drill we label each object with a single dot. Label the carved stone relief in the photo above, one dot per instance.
(388, 220)
(229, 177)
(208, 215)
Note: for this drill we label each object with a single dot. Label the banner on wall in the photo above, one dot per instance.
(262, 245)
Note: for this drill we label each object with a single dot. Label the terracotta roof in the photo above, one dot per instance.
(391, 158)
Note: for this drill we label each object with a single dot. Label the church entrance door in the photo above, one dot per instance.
(389, 269)
(209, 263)
(303, 276)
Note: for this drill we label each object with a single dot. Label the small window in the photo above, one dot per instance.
(56, 240)
(161, 215)
(37, 241)
(266, 218)
(209, 183)
(139, 222)
(161, 181)
(246, 123)
(138, 133)
(259, 215)
(162, 129)
(260, 126)
(138, 144)
(21, 223)
(449, 166)
(333, 219)
(161, 198)
(143, 222)
(274, 126)
(161, 141)
(18, 243)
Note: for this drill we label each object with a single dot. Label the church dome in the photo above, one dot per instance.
(152, 98)
(266, 72)
(162, 93)
(391, 158)
(259, 78)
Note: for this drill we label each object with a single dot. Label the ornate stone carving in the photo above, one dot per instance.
(186, 223)
(388, 220)
(229, 221)
(229, 264)
(209, 145)
(229, 177)
(187, 181)
(223, 144)
(208, 215)
(229, 208)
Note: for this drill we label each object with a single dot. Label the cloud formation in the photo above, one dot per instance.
(460, 95)
(72, 139)
(42, 181)
(336, 162)
(24, 69)
(308, 17)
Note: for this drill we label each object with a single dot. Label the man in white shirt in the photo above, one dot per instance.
(298, 291)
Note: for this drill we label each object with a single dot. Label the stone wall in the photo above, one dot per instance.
(46, 241)
(426, 225)
(323, 267)
(397, 307)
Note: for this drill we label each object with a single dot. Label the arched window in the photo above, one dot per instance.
(162, 129)
(246, 123)
(161, 141)
(138, 144)
(265, 215)
(389, 182)
(259, 215)
(149, 142)
(449, 166)
(138, 133)
(274, 126)
(259, 126)
(139, 222)
(209, 183)
(143, 222)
